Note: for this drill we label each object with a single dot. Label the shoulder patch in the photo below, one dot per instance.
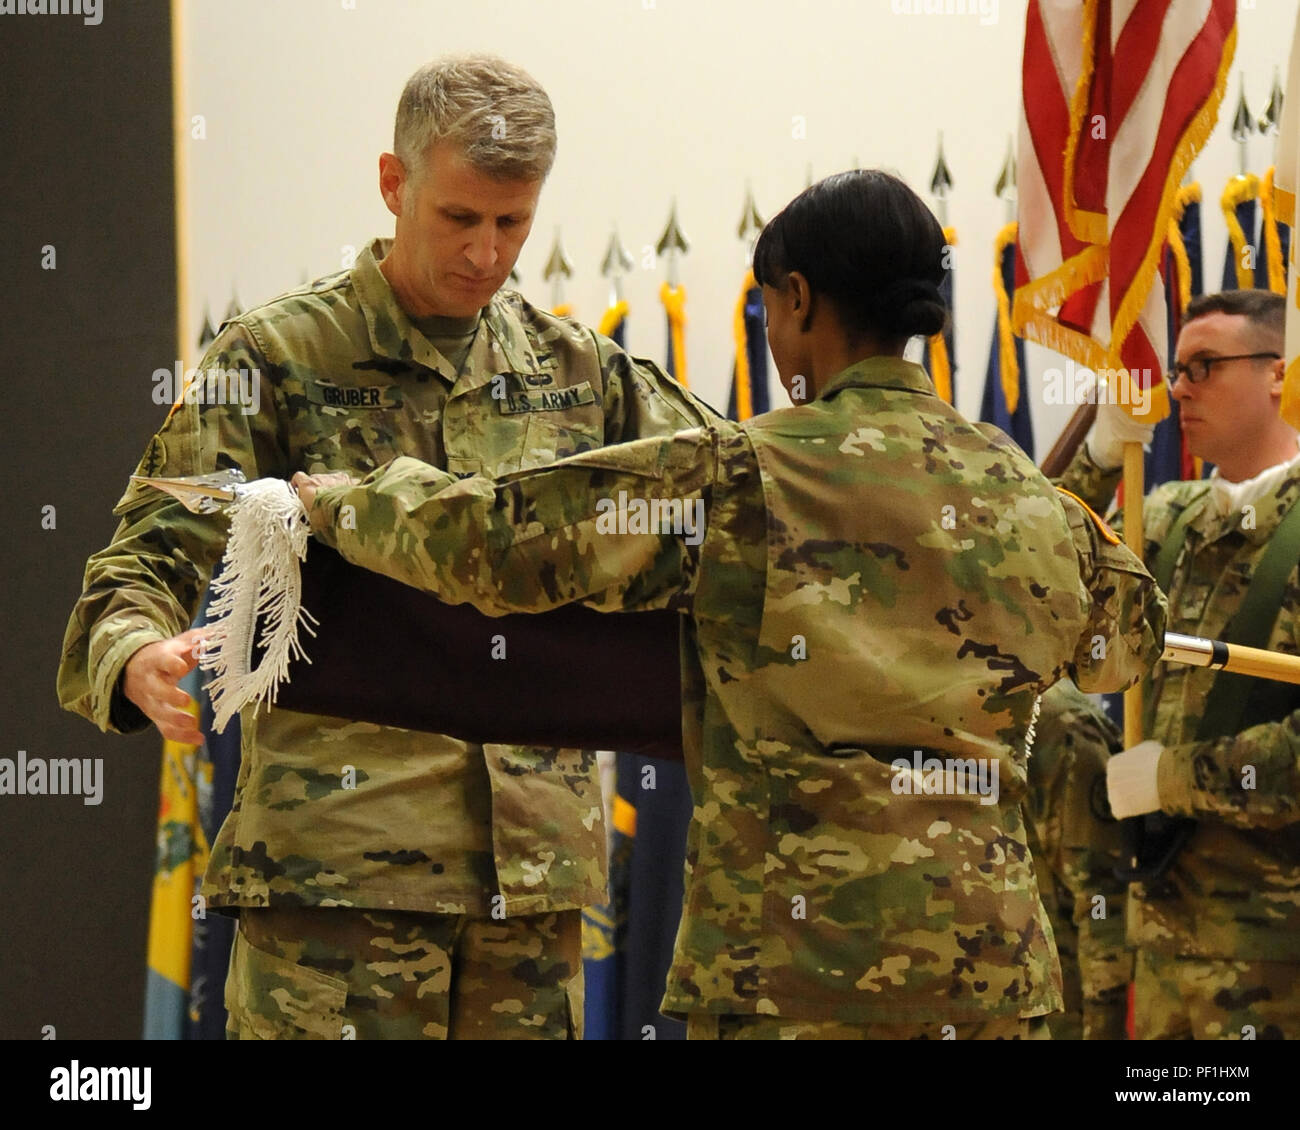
(1106, 532)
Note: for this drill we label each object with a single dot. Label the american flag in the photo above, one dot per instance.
(1119, 95)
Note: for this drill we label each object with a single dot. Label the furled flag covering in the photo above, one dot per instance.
(214, 934)
(1270, 268)
(189, 949)
(1287, 188)
(749, 391)
(178, 868)
(1245, 262)
(940, 357)
(1006, 400)
(1118, 97)
(1167, 457)
(674, 300)
(613, 323)
(1241, 257)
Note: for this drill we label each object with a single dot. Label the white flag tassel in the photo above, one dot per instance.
(260, 580)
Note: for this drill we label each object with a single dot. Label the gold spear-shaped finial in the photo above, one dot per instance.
(557, 269)
(1271, 120)
(672, 243)
(941, 183)
(1006, 185)
(751, 223)
(617, 263)
(207, 335)
(1243, 125)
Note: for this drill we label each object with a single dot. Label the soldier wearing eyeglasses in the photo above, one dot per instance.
(1213, 792)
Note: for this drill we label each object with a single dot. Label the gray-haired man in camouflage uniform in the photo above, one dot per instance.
(389, 883)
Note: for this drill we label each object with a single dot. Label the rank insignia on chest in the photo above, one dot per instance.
(353, 396)
(547, 400)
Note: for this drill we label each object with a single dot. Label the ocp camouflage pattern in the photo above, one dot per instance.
(1076, 845)
(1234, 890)
(329, 811)
(878, 576)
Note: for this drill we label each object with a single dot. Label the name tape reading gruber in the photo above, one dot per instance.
(206, 493)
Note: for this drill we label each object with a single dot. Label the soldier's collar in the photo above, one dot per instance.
(392, 334)
(1264, 499)
(507, 341)
(881, 372)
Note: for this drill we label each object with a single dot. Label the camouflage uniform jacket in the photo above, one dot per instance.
(1077, 845)
(348, 383)
(1234, 890)
(877, 576)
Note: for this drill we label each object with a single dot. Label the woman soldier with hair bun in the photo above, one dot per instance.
(882, 591)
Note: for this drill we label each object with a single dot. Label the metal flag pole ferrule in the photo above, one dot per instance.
(1237, 658)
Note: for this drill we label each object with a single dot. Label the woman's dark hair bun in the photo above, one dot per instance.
(867, 242)
(907, 307)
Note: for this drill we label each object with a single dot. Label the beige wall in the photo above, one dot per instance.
(653, 98)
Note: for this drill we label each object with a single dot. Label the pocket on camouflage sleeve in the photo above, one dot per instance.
(557, 435)
(272, 998)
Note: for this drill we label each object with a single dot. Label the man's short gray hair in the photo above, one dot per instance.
(497, 114)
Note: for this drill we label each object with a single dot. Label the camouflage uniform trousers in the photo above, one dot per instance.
(703, 1026)
(1192, 998)
(334, 973)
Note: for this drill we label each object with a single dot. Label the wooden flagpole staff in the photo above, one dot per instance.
(1134, 489)
(1231, 657)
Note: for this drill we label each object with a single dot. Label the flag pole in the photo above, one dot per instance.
(1232, 657)
(1067, 443)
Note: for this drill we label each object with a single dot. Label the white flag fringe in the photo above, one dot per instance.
(260, 579)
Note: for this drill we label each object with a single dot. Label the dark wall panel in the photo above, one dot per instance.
(85, 122)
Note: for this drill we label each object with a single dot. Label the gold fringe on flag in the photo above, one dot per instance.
(610, 319)
(1030, 317)
(1008, 370)
(1090, 227)
(1029, 308)
(1188, 194)
(674, 300)
(1272, 241)
(940, 362)
(182, 856)
(1129, 310)
(744, 390)
(940, 367)
(563, 310)
(1238, 191)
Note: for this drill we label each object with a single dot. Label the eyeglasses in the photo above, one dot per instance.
(1199, 369)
